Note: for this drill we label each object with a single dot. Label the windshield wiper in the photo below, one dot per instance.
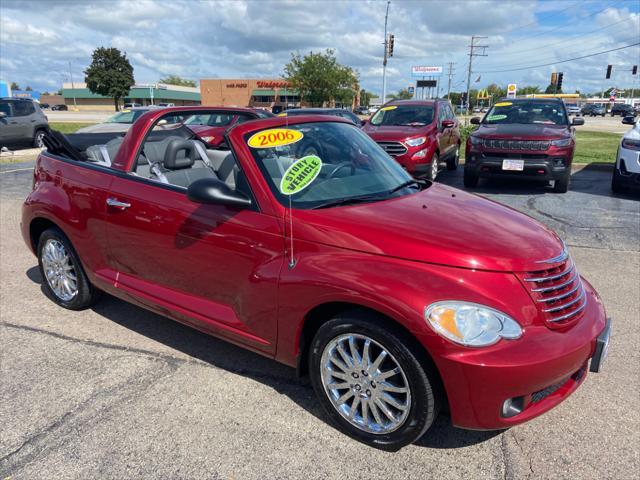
(408, 183)
(412, 124)
(347, 201)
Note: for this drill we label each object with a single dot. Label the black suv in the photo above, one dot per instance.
(21, 123)
(594, 110)
(622, 109)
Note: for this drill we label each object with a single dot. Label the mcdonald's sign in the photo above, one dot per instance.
(483, 95)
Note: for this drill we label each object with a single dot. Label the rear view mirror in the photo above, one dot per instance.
(475, 121)
(629, 120)
(577, 121)
(215, 192)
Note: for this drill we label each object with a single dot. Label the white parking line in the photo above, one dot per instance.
(16, 170)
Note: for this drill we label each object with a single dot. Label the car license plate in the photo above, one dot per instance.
(517, 165)
(602, 348)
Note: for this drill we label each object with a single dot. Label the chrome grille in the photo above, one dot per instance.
(558, 293)
(529, 145)
(393, 148)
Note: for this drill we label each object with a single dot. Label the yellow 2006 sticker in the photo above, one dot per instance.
(300, 174)
(390, 107)
(503, 104)
(274, 137)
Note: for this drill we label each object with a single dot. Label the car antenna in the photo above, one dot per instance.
(292, 260)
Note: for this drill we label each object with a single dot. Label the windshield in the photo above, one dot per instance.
(126, 116)
(403, 115)
(527, 112)
(212, 120)
(350, 167)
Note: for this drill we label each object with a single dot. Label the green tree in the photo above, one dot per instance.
(552, 89)
(15, 86)
(403, 94)
(320, 78)
(110, 74)
(365, 97)
(28, 89)
(177, 80)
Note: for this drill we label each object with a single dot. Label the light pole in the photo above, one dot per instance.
(384, 61)
(75, 107)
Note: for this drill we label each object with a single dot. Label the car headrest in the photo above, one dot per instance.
(179, 154)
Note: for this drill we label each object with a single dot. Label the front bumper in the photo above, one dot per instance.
(537, 371)
(490, 165)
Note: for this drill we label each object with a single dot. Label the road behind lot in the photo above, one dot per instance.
(118, 392)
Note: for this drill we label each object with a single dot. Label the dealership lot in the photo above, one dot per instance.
(119, 392)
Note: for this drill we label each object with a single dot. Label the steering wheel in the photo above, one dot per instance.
(339, 167)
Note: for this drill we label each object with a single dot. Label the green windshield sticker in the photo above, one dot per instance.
(300, 175)
(496, 117)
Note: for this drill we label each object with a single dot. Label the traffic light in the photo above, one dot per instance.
(634, 70)
(559, 84)
(391, 37)
(609, 67)
(554, 78)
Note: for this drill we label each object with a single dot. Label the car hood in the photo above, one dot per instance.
(440, 225)
(518, 131)
(105, 128)
(386, 133)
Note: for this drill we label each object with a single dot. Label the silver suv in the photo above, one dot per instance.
(21, 123)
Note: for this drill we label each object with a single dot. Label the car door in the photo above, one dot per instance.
(443, 133)
(212, 266)
(25, 119)
(10, 131)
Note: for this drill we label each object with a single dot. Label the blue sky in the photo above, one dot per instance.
(238, 38)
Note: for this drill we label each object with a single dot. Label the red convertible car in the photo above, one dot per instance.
(305, 242)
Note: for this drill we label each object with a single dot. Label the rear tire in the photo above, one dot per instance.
(37, 138)
(63, 278)
(410, 395)
(470, 179)
(453, 162)
(562, 185)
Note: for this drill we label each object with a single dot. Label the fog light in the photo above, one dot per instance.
(512, 407)
(558, 162)
(420, 154)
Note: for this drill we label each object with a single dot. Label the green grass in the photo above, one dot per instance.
(591, 147)
(68, 127)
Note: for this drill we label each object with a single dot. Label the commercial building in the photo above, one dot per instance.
(78, 95)
(259, 93)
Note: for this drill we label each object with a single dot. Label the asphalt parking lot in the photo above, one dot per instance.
(118, 392)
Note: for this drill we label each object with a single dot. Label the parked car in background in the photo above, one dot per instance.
(419, 134)
(573, 109)
(399, 298)
(44, 106)
(60, 108)
(626, 173)
(162, 104)
(21, 123)
(594, 110)
(623, 110)
(120, 122)
(336, 112)
(361, 110)
(131, 105)
(522, 138)
(211, 127)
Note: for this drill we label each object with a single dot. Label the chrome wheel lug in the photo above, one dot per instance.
(358, 387)
(355, 375)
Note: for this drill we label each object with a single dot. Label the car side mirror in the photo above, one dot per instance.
(212, 191)
(447, 124)
(3, 114)
(475, 121)
(629, 120)
(577, 121)
(363, 123)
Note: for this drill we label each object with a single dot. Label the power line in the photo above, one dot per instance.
(562, 61)
(472, 54)
(450, 74)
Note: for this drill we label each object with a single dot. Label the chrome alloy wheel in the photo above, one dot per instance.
(365, 383)
(434, 167)
(59, 270)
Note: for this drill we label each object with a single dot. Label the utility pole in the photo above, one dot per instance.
(384, 61)
(472, 54)
(450, 74)
(72, 87)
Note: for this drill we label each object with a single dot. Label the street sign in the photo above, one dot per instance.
(426, 83)
(511, 90)
(482, 95)
(411, 90)
(424, 71)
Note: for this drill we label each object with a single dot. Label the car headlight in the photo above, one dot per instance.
(475, 140)
(470, 324)
(414, 142)
(631, 144)
(565, 142)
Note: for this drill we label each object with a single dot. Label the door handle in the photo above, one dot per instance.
(112, 202)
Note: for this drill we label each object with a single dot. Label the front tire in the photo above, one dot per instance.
(371, 383)
(562, 185)
(434, 167)
(470, 179)
(63, 278)
(616, 184)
